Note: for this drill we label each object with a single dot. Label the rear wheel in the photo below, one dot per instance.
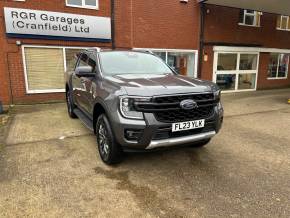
(201, 143)
(70, 105)
(109, 150)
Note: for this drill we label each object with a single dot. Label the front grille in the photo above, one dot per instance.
(179, 98)
(167, 108)
(174, 116)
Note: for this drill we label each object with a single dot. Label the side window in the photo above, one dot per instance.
(83, 61)
(92, 63)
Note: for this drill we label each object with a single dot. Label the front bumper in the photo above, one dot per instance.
(150, 128)
(180, 140)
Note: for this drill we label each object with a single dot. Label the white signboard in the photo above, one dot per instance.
(54, 24)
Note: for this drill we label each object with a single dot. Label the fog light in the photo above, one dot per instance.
(133, 134)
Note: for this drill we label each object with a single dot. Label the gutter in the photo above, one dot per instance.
(113, 24)
(10, 78)
(201, 37)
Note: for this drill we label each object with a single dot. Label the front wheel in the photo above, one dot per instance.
(109, 150)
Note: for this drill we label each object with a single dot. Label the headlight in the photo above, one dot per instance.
(217, 95)
(127, 107)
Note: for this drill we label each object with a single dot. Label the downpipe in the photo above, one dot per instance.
(1, 108)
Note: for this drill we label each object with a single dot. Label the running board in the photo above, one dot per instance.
(85, 120)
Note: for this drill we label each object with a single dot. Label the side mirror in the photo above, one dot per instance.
(84, 71)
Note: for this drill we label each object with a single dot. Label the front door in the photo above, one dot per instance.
(88, 95)
(79, 83)
(236, 71)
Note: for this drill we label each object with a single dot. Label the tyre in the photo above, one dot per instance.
(110, 152)
(70, 105)
(201, 143)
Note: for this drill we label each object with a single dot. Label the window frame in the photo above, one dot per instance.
(287, 24)
(278, 65)
(255, 15)
(237, 72)
(84, 5)
(31, 91)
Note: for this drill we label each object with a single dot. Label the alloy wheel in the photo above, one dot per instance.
(103, 140)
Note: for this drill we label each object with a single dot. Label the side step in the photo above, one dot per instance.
(85, 120)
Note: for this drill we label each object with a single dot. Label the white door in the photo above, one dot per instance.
(236, 71)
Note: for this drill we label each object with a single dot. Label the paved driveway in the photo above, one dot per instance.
(50, 168)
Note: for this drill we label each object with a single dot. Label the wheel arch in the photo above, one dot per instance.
(99, 108)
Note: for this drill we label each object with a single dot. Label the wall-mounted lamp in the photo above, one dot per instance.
(184, 1)
(205, 57)
(18, 43)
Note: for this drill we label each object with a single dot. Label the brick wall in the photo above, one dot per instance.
(12, 54)
(207, 66)
(222, 26)
(123, 23)
(263, 81)
(157, 24)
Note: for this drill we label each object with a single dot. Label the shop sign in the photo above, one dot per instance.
(36, 23)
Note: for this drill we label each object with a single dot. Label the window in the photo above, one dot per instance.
(182, 61)
(248, 61)
(250, 17)
(83, 61)
(278, 66)
(86, 60)
(90, 4)
(71, 56)
(227, 61)
(235, 71)
(283, 22)
(44, 67)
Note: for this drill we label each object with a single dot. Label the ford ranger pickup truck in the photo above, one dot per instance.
(134, 101)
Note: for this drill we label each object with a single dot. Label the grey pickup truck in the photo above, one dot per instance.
(134, 101)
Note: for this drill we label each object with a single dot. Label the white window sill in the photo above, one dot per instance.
(84, 7)
(287, 30)
(242, 24)
(277, 78)
(45, 91)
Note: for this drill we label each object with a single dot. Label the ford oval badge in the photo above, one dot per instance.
(188, 104)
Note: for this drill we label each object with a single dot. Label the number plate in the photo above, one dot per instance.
(187, 125)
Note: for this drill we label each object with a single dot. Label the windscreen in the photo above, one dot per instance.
(127, 62)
